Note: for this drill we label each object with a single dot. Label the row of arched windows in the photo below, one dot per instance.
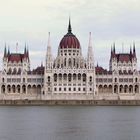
(71, 77)
(19, 88)
(118, 89)
(14, 71)
(70, 63)
(116, 80)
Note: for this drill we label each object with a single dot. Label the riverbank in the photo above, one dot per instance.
(86, 100)
(27, 102)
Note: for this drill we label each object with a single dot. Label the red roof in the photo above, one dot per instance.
(16, 57)
(124, 57)
(100, 70)
(39, 70)
(69, 41)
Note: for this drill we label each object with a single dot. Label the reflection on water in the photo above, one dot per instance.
(69, 123)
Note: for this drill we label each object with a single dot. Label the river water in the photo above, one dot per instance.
(69, 123)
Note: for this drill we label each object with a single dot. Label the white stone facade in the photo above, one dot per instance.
(70, 74)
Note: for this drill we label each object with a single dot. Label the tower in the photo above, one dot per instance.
(134, 60)
(90, 58)
(91, 79)
(49, 60)
(48, 79)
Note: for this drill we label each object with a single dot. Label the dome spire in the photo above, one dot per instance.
(69, 26)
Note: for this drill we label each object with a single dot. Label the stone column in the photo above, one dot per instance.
(118, 89)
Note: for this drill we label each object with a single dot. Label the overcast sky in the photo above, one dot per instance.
(30, 21)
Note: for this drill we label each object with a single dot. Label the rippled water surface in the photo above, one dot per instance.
(69, 123)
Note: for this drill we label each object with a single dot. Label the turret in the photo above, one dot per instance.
(114, 49)
(27, 54)
(90, 58)
(112, 57)
(130, 50)
(25, 49)
(111, 53)
(49, 60)
(134, 51)
(8, 51)
(5, 52)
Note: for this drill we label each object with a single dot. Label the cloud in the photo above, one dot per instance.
(30, 21)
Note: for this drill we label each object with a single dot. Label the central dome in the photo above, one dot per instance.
(69, 40)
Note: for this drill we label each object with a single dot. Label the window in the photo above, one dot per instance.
(121, 80)
(64, 89)
(130, 80)
(84, 89)
(115, 79)
(125, 80)
(69, 77)
(90, 89)
(3, 80)
(90, 79)
(74, 62)
(55, 77)
(8, 79)
(69, 89)
(55, 89)
(59, 89)
(74, 89)
(79, 76)
(79, 89)
(84, 77)
(23, 79)
(48, 78)
(109, 80)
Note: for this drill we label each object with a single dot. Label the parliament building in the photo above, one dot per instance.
(69, 74)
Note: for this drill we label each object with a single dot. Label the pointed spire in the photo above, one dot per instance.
(111, 50)
(90, 58)
(5, 51)
(114, 50)
(130, 50)
(8, 50)
(111, 53)
(16, 47)
(133, 46)
(134, 51)
(69, 26)
(90, 43)
(49, 39)
(41, 64)
(97, 64)
(48, 54)
(27, 52)
(25, 49)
